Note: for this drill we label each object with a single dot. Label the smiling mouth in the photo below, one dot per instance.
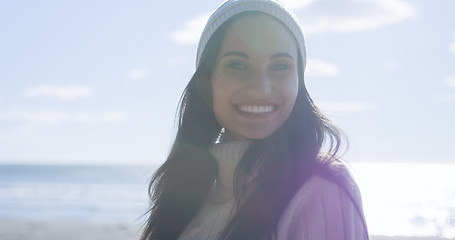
(256, 109)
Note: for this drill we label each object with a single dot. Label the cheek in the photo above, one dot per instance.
(223, 90)
(292, 95)
(289, 93)
(220, 97)
(289, 90)
(290, 103)
(217, 92)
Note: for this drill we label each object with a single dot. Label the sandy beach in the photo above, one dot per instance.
(67, 230)
(72, 230)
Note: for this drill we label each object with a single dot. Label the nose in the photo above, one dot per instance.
(260, 82)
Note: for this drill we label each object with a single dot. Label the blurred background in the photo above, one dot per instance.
(89, 90)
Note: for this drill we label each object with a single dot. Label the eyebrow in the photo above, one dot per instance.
(244, 55)
(233, 53)
(282, 54)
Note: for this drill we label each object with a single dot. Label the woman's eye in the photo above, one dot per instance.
(236, 66)
(280, 67)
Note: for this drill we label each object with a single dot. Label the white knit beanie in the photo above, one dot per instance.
(233, 7)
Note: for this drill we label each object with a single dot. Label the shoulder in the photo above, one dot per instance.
(331, 184)
(327, 206)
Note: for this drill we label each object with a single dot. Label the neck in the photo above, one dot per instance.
(227, 155)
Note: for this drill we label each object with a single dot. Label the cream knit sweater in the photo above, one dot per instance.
(320, 210)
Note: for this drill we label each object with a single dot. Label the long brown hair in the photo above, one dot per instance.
(281, 163)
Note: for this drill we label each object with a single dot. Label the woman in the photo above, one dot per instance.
(247, 161)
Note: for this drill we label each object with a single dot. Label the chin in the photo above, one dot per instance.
(259, 136)
(249, 135)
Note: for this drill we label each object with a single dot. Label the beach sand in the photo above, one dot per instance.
(72, 230)
(67, 230)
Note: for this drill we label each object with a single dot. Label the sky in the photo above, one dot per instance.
(98, 82)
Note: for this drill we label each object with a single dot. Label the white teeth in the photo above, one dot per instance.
(256, 109)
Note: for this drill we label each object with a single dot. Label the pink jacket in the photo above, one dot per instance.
(323, 210)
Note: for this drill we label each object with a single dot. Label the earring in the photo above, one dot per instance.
(219, 138)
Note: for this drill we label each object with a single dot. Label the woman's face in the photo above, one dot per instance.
(255, 78)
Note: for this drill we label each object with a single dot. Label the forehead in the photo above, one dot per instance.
(259, 33)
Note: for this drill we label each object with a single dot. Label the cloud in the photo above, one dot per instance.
(297, 4)
(320, 68)
(191, 31)
(391, 65)
(137, 74)
(322, 16)
(444, 98)
(452, 48)
(175, 61)
(450, 81)
(61, 92)
(345, 107)
(354, 15)
(50, 117)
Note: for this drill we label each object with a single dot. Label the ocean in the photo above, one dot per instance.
(408, 199)
(400, 199)
(87, 193)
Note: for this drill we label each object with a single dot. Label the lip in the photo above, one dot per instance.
(256, 110)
